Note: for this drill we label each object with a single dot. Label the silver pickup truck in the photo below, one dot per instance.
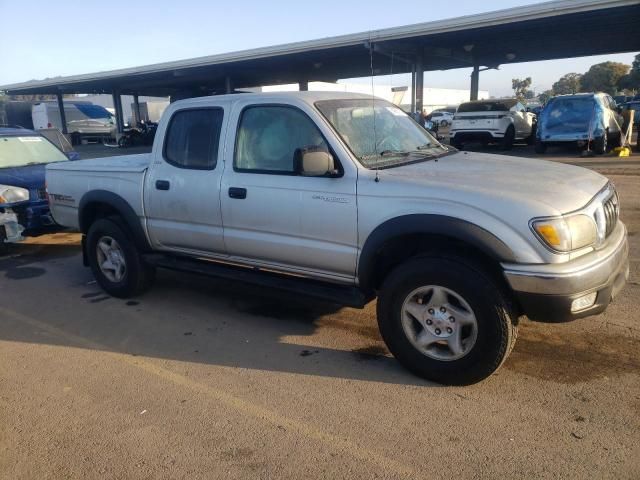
(344, 197)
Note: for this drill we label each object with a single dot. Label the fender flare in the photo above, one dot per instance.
(428, 224)
(119, 204)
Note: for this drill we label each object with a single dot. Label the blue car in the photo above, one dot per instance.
(584, 119)
(24, 207)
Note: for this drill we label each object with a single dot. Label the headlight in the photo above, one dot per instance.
(565, 234)
(11, 195)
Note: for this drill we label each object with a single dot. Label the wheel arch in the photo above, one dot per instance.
(101, 204)
(402, 237)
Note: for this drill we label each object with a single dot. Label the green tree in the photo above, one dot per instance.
(545, 96)
(567, 84)
(631, 81)
(604, 77)
(521, 87)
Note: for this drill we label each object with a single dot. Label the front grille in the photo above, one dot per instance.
(39, 194)
(611, 212)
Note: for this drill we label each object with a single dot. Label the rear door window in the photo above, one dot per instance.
(193, 138)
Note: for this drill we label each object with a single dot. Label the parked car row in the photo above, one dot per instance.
(588, 120)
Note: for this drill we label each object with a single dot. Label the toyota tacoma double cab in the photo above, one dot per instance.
(345, 197)
(502, 121)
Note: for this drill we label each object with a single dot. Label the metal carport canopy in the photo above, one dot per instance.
(546, 31)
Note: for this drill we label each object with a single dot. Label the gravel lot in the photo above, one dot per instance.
(207, 379)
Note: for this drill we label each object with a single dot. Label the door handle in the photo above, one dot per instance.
(162, 185)
(235, 192)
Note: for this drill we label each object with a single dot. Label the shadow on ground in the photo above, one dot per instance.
(189, 318)
(198, 319)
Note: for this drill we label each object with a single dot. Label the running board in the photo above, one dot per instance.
(338, 294)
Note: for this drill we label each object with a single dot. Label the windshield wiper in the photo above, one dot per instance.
(390, 153)
(427, 146)
(385, 153)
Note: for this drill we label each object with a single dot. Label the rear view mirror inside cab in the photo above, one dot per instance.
(361, 112)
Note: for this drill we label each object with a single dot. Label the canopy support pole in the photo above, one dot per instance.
(475, 82)
(419, 84)
(63, 116)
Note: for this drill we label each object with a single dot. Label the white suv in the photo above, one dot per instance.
(500, 121)
(442, 118)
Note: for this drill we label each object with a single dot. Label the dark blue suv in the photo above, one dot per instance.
(23, 157)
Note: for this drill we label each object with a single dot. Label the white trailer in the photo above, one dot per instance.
(84, 120)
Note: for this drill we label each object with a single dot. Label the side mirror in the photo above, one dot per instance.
(314, 162)
(73, 155)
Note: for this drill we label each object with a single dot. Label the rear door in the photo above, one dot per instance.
(274, 217)
(182, 189)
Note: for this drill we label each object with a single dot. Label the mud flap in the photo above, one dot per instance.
(85, 257)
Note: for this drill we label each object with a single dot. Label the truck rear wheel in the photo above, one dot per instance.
(446, 320)
(115, 261)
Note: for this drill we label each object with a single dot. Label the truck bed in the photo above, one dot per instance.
(68, 182)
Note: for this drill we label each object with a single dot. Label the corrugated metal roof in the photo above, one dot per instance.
(443, 39)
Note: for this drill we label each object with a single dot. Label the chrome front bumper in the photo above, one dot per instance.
(546, 292)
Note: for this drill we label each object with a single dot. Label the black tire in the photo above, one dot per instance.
(531, 139)
(76, 138)
(137, 276)
(444, 123)
(124, 141)
(540, 147)
(508, 139)
(617, 140)
(600, 144)
(496, 321)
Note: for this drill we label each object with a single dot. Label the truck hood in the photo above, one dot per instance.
(563, 188)
(30, 177)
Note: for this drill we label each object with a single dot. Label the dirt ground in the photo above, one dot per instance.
(201, 378)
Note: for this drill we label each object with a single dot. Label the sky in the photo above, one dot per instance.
(43, 38)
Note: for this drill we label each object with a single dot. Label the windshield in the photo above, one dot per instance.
(378, 133)
(28, 150)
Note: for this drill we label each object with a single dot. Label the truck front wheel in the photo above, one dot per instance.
(446, 320)
(115, 261)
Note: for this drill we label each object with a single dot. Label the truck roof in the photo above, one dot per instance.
(309, 97)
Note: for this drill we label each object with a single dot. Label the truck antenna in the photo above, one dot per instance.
(373, 105)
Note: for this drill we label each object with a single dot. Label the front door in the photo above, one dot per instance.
(271, 215)
(182, 191)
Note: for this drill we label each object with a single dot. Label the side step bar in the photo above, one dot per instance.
(341, 295)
